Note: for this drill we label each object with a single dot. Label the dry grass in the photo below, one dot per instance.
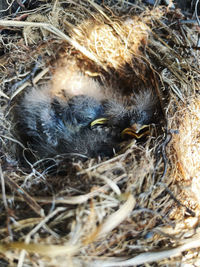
(139, 207)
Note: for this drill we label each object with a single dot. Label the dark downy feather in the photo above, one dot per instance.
(50, 126)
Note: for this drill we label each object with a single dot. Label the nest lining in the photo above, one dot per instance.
(79, 208)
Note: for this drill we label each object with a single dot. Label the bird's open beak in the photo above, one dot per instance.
(99, 121)
(136, 131)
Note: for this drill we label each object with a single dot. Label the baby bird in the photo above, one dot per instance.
(82, 125)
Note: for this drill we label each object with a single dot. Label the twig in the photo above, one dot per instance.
(5, 202)
(35, 80)
(192, 213)
(27, 198)
(29, 76)
(161, 149)
(18, 9)
(198, 20)
(56, 32)
(149, 257)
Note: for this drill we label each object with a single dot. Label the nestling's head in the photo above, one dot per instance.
(83, 110)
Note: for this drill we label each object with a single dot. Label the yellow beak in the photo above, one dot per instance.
(136, 132)
(99, 121)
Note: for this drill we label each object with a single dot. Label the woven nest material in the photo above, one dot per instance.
(139, 207)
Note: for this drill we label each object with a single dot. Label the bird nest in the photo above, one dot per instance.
(142, 205)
